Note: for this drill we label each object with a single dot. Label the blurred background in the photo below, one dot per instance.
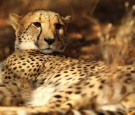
(91, 19)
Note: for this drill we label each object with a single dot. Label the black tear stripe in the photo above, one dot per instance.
(57, 36)
(39, 33)
(40, 27)
(57, 30)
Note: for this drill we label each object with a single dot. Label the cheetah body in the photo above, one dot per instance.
(65, 83)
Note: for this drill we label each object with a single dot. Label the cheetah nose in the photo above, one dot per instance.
(49, 40)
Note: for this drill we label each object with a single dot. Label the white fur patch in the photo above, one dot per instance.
(27, 45)
(41, 96)
(75, 112)
(21, 112)
(114, 107)
(47, 51)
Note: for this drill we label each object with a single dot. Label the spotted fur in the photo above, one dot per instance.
(52, 83)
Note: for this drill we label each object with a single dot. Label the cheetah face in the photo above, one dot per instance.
(40, 29)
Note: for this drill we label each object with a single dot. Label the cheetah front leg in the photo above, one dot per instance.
(50, 98)
(64, 101)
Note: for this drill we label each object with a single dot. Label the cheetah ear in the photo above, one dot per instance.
(14, 20)
(67, 19)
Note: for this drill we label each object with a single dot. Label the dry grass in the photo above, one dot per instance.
(118, 42)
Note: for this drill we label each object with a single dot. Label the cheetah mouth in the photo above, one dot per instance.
(36, 43)
(47, 50)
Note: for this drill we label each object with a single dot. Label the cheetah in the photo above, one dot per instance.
(49, 82)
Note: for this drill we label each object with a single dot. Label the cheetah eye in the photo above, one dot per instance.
(58, 26)
(37, 24)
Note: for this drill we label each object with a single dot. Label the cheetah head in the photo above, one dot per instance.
(41, 30)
